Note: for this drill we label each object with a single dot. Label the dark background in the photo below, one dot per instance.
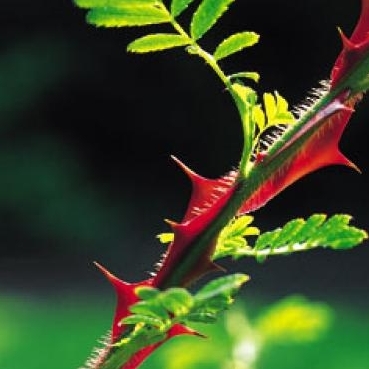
(87, 130)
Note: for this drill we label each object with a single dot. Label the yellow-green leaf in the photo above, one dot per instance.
(270, 106)
(250, 75)
(178, 6)
(115, 3)
(259, 117)
(157, 42)
(206, 15)
(165, 237)
(276, 108)
(235, 43)
(127, 17)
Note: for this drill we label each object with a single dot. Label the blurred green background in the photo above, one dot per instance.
(85, 137)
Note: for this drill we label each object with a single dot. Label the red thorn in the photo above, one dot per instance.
(349, 163)
(174, 225)
(183, 166)
(189, 172)
(110, 277)
(347, 44)
(120, 286)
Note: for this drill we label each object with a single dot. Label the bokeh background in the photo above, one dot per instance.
(86, 132)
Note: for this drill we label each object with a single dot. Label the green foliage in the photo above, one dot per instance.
(86, 316)
(178, 6)
(127, 16)
(115, 13)
(276, 111)
(248, 75)
(335, 233)
(239, 341)
(156, 42)
(255, 119)
(160, 310)
(86, 4)
(206, 15)
(245, 99)
(124, 4)
(295, 236)
(232, 240)
(235, 43)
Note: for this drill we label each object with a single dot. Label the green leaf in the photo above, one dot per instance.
(150, 308)
(248, 75)
(259, 117)
(288, 233)
(235, 43)
(177, 301)
(178, 6)
(202, 317)
(115, 3)
(270, 106)
(221, 287)
(310, 226)
(154, 317)
(143, 319)
(127, 347)
(276, 109)
(206, 15)
(300, 235)
(339, 235)
(231, 240)
(157, 42)
(266, 239)
(215, 297)
(147, 293)
(127, 16)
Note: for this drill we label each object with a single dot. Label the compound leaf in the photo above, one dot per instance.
(232, 239)
(310, 225)
(157, 42)
(127, 16)
(206, 15)
(335, 233)
(235, 43)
